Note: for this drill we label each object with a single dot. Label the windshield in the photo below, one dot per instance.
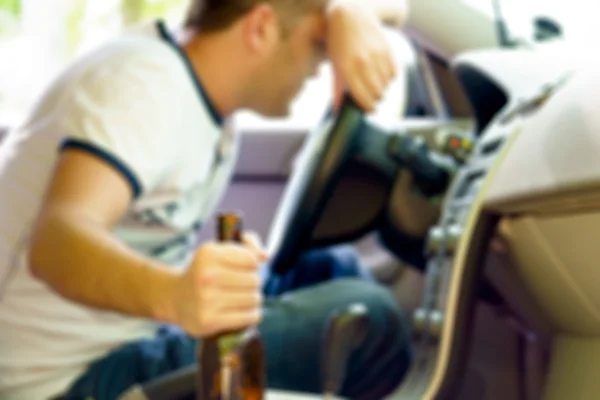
(519, 15)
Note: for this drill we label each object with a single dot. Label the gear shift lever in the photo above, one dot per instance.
(346, 331)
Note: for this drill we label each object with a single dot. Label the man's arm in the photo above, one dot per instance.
(358, 48)
(74, 252)
(391, 12)
(122, 140)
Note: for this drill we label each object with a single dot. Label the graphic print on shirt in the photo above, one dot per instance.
(177, 242)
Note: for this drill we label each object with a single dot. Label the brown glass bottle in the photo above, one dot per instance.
(231, 366)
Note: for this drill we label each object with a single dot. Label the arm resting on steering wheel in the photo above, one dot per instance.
(391, 12)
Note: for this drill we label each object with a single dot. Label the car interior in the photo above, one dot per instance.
(471, 193)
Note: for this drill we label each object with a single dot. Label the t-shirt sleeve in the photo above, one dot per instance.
(125, 113)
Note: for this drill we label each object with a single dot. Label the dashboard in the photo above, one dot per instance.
(457, 244)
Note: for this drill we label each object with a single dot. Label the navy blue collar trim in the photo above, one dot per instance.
(164, 33)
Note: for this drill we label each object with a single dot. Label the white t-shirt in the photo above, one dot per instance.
(136, 104)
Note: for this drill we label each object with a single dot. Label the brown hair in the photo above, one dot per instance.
(215, 15)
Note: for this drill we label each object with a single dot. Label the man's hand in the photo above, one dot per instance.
(358, 49)
(221, 290)
(253, 242)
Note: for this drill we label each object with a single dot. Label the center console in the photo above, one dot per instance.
(457, 244)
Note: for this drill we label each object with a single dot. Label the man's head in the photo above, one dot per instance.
(277, 44)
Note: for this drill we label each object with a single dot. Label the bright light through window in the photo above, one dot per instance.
(573, 15)
(484, 6)
(38, 38)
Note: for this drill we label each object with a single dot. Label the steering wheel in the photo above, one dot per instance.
(317, 170)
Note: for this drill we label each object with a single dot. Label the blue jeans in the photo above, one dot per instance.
(318, 266)
(322, 281)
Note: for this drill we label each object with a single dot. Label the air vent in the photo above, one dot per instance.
(492, 146)
(467, 182)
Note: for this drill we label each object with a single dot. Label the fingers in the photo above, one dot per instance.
(377, 74)
(221, 291)
(237, 320)
(253, 242)
(374, 84)
(367, 79)
(218, 319)
(230, 254)
(238, 301)
(365, 90)
(230, 279)
(386, 68)
(386, 61)
(227, 311)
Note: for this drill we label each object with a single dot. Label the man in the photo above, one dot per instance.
(125, 156)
